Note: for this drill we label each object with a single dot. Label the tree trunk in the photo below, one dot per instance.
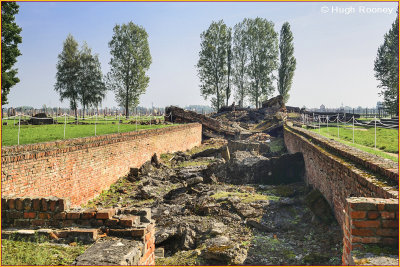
(127, 105)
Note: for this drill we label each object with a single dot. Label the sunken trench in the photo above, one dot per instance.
(231, 202)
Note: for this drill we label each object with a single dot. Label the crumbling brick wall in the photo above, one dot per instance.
(87, 224)
(81, 168)
(344, 175)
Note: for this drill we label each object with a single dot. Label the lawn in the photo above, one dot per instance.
(15, 252)
(364, 139)
(43, 133)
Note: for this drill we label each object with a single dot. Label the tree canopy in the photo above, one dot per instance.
(10, 38)
(130, 59)
(79, 78)
(287, 62)
(91, 87)
(213, 63)
(387, 67)
(262, 47)
(67, 76)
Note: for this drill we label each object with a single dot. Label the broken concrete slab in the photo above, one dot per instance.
(112, 252)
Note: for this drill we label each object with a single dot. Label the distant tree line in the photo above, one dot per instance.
(245, 61)
(79, 77)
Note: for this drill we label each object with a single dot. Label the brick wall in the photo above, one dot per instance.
(369, 221)
(334, 175)
(81, 168)
(344, 176)
(52, 212)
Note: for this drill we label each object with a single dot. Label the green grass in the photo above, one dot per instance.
(364, 139)
(15, 252)
(43, 133)
(244, 197)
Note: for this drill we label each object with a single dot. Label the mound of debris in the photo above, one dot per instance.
(235, 122)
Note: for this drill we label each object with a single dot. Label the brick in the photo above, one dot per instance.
(27, 204)
(137, 232)
(67, 223)
(36, 204)
(105, 214)
(370, 240)
(88, 214)
(44, 203)
(11, 203)
(29, 215)
(387, 232)
(60, 216)
(390, 241)
(392, 207)
(365, 224)
(39, 223)
(71, 215)
(129, 221)
(62, 204)
(13, 214)
(22, 223)
(111, 222)
(52, 204)
(19, 204)
(363, 232)
(373, 214)
(390, 223)
(44, 215)
(388, 215)
(56, 223)
(381, 206)
(358, 214)
(363, 206)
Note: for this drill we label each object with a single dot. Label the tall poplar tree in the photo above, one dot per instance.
(240, 61)
(287, 62)
(212, 65)
(262, 48)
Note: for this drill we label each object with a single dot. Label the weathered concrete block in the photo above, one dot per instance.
(112, 252)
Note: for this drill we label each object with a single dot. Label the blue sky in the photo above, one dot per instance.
(335, 52)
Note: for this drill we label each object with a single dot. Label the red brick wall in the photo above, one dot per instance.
(79, 169)
(352, 183)
(369, 221)
(55, 213)
(335, 177)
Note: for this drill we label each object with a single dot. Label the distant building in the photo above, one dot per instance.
(322, 108)
(379, 105)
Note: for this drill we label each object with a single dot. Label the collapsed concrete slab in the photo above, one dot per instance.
(111, 252)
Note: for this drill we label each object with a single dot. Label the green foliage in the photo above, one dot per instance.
(68, 68)
(288, 62)
(130, 59)
(213, 62)
(263, 55)
(240, 61)
(91, 88)
(10, 38)
(35, 253)
(387, 67)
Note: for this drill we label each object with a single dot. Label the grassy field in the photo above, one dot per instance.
(364, 139)
(15, 252)
(42, 133)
